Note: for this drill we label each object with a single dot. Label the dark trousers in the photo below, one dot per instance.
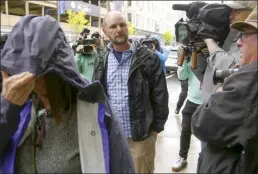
(186, 131)
(183, 94)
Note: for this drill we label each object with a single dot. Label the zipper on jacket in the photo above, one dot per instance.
(133, 68)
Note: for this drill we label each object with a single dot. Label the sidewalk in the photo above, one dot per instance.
(168, 142)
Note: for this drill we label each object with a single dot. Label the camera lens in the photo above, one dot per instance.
(220, 75)
(88, 49)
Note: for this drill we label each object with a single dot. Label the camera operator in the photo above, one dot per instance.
(228, 56)
(160, 52)
(193, 101)
(228, 121)
(86, 53)
(99, 42)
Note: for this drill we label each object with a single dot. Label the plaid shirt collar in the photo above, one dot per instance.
(131, 49)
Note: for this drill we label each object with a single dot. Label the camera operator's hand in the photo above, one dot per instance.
(219, 89)
(17, 88)
(79, 48)
(211, 45)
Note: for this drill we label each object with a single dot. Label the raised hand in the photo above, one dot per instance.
(17, 88)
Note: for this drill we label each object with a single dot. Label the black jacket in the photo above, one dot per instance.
(228, 122)
(147, 88)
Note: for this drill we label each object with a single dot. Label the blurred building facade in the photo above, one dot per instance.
(152, 17)
(148, 17)
(12, 11)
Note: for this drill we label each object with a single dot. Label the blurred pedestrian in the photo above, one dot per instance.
(162, 53)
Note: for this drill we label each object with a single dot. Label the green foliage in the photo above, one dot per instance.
(77, 20)
(168, 37)
(131, 28)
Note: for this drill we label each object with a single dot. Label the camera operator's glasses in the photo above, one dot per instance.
(242, 34)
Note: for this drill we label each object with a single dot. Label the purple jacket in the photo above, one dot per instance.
(38, 45)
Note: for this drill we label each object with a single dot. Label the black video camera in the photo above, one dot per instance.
(220, 75)
(87, 43)
(205, 21)
(147, 41)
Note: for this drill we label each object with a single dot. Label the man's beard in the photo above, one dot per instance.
(120, 41)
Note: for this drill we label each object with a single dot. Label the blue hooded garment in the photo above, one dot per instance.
(37, 44)
(161, 53)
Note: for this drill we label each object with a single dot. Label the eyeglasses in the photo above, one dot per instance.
(242, 34)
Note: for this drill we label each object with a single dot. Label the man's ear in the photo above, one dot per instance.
(104, 30)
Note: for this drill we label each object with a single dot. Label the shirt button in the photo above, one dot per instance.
(93, 133)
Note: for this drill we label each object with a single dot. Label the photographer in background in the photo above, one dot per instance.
(228, 56)
(87, 51)
(99, 42)
(228, 121)
(160, 52)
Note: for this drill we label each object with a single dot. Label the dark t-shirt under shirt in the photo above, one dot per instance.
(118, 55)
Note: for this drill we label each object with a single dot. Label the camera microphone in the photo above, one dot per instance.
(182, 7)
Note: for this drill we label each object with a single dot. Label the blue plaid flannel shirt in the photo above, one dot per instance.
(117, 90)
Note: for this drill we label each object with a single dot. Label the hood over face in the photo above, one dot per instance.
(37, 44)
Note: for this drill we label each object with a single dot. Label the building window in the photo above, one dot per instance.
(35, 9)
(138, 21)
(149, 24)
(64, 17)
(148, 6)
(129, 17)
(16, 8)
(129, 3)
(153, 25)
(101, 21)
(138, 3)
(157, 27)
(133, 18)
(103, 3)
(88, 19)
(95, 2)
(51, 12)
(94, 21)
(142, 4)
(142, 22)
(3, 11)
